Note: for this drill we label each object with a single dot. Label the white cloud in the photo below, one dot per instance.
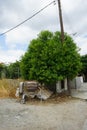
(20, 36)
(82, 43)
(10, 55)
(14, 12)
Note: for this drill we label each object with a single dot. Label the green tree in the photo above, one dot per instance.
(47, 60)
(1, 69)
(13, 70)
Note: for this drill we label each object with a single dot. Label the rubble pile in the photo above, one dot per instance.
(32, 89)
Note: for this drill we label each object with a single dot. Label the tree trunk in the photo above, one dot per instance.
(69, 88)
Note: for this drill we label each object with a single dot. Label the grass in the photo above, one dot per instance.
(8, 88)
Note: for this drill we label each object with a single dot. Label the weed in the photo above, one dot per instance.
(8, 88)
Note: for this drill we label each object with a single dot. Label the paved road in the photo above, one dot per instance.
(69, 115)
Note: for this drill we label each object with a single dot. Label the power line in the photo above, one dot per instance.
(27, 19)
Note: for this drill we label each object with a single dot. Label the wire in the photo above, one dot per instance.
(27, 18)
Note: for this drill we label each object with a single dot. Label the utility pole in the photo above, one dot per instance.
(62, 40)
(61, 21)
(62, 33)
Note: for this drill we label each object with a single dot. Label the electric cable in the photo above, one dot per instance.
(27, 18)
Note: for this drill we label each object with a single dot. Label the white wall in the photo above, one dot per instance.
(58, 86)
(79, 81)
(76, 82)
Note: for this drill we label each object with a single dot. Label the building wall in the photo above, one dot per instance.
(79, 81)
(58, 86)
(76, 82)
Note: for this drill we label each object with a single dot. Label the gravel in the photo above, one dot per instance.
(71, 115)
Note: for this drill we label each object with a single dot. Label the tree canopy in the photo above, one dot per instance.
(47, 60)
(11, 70)
(1, 69)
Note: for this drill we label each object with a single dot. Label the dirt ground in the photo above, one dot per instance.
(68, 114)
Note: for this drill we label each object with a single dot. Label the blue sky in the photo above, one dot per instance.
(2, 43)
(15, 43)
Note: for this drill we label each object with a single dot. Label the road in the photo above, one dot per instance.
(70, 115)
